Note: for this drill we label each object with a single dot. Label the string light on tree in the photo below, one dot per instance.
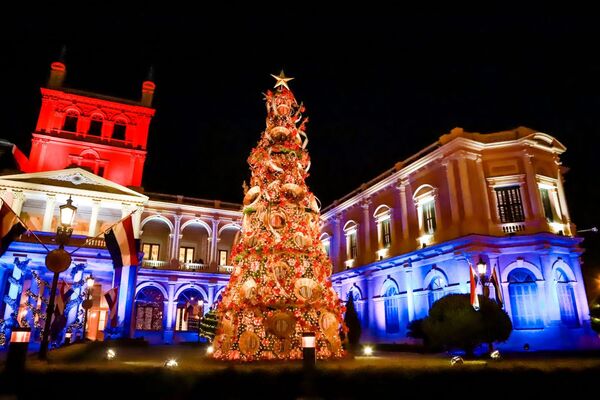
(279, 288)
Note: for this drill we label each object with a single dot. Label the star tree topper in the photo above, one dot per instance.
(282, 80)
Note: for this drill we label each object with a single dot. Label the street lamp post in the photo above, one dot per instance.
(87, 303)
(482, 270)
(57, 261)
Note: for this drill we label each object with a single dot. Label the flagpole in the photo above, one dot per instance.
(104, 231)
(25, 225)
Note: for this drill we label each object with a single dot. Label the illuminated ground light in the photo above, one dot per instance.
(110, 354)
(456, 360)
(210, 350)
(171, 363)
(368, 351)
(495, 355)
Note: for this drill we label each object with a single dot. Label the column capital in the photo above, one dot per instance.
(177, 217)
(51, 196)
(18, 195)
(365, 203)
(401, 184)
(96, 202)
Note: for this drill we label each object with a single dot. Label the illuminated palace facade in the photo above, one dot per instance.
(397, 244)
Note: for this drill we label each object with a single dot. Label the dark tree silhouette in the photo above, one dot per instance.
(454, 324)
(353, 324)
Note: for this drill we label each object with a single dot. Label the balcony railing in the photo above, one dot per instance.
(49, 238)
(513, 227)
(177, 266)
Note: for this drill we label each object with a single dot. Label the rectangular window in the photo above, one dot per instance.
(510, 206)
(70, 124)
(545, 193)
(352, 240)
(223, 257)
(119, 131)
(386, 235)
(95, 127)
(151, 251)
(429, 223)
(186, 254)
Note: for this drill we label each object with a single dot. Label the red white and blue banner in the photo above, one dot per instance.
(497, 288)
(121, 244)
(474, 298)
(112, 298)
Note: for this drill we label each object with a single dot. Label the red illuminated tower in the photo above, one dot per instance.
(103, 134)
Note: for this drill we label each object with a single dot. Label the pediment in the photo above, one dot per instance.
(72, 178)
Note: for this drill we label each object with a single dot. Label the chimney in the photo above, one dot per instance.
(58, 71)
(148, 87)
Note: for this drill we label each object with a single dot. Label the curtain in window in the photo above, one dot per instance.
(523, 293)
(566, 300)
(429, 222)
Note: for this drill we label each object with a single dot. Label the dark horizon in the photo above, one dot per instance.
(376, 90)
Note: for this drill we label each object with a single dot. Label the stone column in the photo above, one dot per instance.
(464, 186)
(452, 190)
(404, 208)
(368, 257)
(169, 328)
(337, 243)
(535, 199)
(578, 287)
(563, 200)
(410, 301)
(49, 212)
(214, 240)
(370, 303)
(484, 188)
(550, 298)
(94, 218)
(18, 200)
(175, 237)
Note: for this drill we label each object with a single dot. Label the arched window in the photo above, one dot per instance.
(566, 299)
(190, 308)
(392, 306)
(350, 230)
(95, 125)
(149, 305)
(523, 292)
(119, 129)
(436, 289)
(425, 198)
(71, 119)
(383, 217)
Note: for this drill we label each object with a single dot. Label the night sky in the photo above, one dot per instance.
(377, 90)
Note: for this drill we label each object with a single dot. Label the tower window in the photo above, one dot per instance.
(510, 206)
(119, 130)
(95, 126)
(70, 124)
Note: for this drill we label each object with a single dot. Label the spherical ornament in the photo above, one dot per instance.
(328, 324)
(282, 324)
(306, 289)
(301, 240)
(281, 271)
(249, 289)
(282, 347)
(277, 220)
(293, 192)
(279, 133)
(249, 343)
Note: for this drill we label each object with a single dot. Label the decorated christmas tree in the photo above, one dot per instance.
(279, 287)
(208, 325)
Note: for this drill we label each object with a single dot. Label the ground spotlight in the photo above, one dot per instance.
(456, 360)
(171, 363)
(495, 355)
(210, 350)
(368, 350)
(110, 354)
